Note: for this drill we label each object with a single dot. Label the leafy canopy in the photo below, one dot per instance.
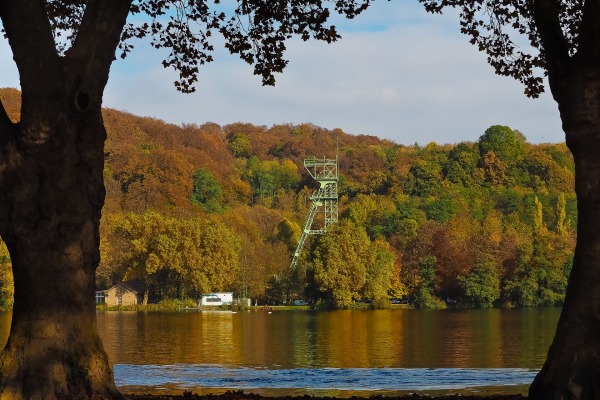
(502, 28)
(256, 30)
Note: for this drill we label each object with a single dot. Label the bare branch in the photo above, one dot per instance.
(555, 46)
(30, 37)
(102, 19)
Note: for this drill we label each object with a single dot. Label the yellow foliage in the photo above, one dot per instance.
(6, 278)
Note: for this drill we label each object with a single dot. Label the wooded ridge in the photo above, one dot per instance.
(195, 209)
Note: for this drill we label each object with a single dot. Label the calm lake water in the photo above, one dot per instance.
(338, 353)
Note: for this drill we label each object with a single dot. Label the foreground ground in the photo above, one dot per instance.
(250, 396)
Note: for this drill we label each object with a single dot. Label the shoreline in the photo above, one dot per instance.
(240, 395)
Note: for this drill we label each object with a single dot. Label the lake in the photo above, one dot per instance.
(337, 353)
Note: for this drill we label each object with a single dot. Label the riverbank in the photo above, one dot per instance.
(239, 395)
(191, 305)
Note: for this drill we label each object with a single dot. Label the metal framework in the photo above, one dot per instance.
(324, 199)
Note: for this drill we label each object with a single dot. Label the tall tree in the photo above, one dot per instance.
(51, 164)
(340, 260)
(207, 191)
(504, 142)
(565, 45)
(348, 265)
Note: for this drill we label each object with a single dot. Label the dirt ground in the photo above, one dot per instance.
(250, 396)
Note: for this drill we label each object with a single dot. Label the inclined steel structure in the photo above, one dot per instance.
(324, 199)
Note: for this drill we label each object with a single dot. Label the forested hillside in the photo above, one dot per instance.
(194, 209)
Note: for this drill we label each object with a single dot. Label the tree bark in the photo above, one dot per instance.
(54, 195)
(51, 196)
(572, 368)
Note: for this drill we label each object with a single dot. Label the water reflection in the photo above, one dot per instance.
(341, 339)
(458, 340)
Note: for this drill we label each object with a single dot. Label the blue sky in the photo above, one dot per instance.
(398, 73)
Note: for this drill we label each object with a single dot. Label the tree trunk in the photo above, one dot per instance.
(54, 192)
(51, 196)
(572, 368)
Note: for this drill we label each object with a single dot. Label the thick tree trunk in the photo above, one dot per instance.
(51, 196)
(55, 193)
(572, 369)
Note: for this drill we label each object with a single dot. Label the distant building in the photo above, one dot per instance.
(100, 296)
(124, 293)
(216, 299)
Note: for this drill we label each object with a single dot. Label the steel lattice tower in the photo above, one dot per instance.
(324, 199)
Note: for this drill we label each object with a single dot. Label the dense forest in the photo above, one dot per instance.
(194, 209)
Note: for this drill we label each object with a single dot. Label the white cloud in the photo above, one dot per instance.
(397, 73)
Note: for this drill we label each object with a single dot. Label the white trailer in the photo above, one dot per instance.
(216, 299)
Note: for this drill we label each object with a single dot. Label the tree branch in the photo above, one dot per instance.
(6, 154)
(99, 35)
(556, 50)
(30, 37)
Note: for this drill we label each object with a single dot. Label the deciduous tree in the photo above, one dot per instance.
(482, 284)
(564, 38)
(507, 144)
(380, 267)
(207, 192)
(340, 262)
(51, 165)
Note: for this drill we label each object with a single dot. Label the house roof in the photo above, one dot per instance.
(133, 285)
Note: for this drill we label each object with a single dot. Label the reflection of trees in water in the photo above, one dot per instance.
(495, 338)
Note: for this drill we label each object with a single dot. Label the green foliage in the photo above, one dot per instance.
(275, 291)
(538, 280)
(506, 144)
(427, 272)
(437, 208)
(348, 266)
(508, 201)
(163, 305)
(361, 209)
(408, 208)
(424, 299)
(207, 192)
(482, 285)
(424, 179)
(146, 148)
(380, 267)
(240, 145)
(266, 177)
(461, 164)
(177, 257)
(405, 230)
(440, 209)
(340, 263)
(561, 215)
(494, 169)
(288, 232)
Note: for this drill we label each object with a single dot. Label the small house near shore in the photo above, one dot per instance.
(124, 294)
